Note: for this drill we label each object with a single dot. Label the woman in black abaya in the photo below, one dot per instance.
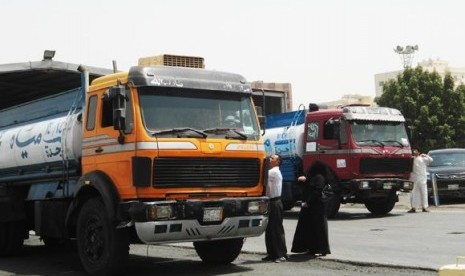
(311, 233)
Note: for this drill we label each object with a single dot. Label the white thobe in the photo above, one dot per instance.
(419, 196)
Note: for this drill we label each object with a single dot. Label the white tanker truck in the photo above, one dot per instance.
(148, 157)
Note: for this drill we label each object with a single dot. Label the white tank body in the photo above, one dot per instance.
(41, 142)
(285, 141)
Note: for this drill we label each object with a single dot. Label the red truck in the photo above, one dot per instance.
(363, 152)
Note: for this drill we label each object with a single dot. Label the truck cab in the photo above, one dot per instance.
(363, 152)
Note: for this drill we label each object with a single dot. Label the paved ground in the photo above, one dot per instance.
(422, 240)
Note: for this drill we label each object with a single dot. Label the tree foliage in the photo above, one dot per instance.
(433, 107)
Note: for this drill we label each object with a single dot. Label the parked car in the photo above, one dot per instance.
(449, 167)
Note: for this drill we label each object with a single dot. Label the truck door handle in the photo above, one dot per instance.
(99, 150)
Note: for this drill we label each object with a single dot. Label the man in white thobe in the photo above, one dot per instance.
(419, 195)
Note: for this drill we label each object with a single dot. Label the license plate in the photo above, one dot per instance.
(212, 214)
(453, 186)
(388, 186)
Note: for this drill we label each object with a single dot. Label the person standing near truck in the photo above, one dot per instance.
(419, 196)
(311, 233)
(274, 236)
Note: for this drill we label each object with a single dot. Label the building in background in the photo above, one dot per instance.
(272, 97)
(430, 65)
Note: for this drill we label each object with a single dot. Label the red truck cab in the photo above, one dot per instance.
(364, 152)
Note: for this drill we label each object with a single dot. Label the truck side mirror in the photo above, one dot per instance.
(118, 100)
(409, 129)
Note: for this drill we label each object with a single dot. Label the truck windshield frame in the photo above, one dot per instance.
(169, 108)
(379, 133)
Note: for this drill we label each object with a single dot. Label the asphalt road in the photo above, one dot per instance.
(361, 244)
(144, 260)
(419, 240)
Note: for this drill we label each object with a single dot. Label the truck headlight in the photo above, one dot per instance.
(408, 185)
(364, 185)
(159, 212)
(257, 207)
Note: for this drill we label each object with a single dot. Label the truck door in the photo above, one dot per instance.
(88, 135)
(333, 145)
(114, 149)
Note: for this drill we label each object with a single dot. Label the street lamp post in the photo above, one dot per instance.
(406, 53)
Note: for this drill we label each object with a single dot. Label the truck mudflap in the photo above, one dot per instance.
(199, 220)
(382, 184)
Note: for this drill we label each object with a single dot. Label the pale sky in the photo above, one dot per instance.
(325, 48)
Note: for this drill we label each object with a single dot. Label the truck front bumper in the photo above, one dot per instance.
(383, 184)
(199, 220)
(156, 232)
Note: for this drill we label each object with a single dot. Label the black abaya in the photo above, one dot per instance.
(311, 233)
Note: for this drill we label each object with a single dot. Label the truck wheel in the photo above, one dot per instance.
(11, 237)
(332, 206)
(102, 248)
(219, 252)
(381, 206)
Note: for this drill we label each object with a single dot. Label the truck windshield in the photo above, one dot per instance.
(376, 133)
(179, 112)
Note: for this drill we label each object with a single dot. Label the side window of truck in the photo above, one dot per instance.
(330, 130)
(91, 111)
(107, 113)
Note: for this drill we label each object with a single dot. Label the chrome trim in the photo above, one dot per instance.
(245, 147)
(191, 230)
(108, 149)
(176, 145)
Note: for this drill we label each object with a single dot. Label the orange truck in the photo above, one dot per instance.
(159, 154)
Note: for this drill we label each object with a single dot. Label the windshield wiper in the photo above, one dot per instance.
(238, 135)
(371, 141)
(394, 141)
(180, 130)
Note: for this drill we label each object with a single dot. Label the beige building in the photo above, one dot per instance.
(350, 99)
(272, 97)
(430, 65)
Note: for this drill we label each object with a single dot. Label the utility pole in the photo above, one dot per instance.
(406, 54)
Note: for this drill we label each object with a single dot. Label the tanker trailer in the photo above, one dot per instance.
(285, 136)
(40, 149)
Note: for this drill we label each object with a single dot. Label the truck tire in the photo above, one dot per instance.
(381, 206)
(102, 248)
(11, 237)
(219, 252)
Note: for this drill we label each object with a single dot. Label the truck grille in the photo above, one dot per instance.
(385, 165)
(206, 172)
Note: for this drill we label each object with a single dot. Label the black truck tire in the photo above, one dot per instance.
(220, 251)
(11, 237)
(102, 248)
(381, 206)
